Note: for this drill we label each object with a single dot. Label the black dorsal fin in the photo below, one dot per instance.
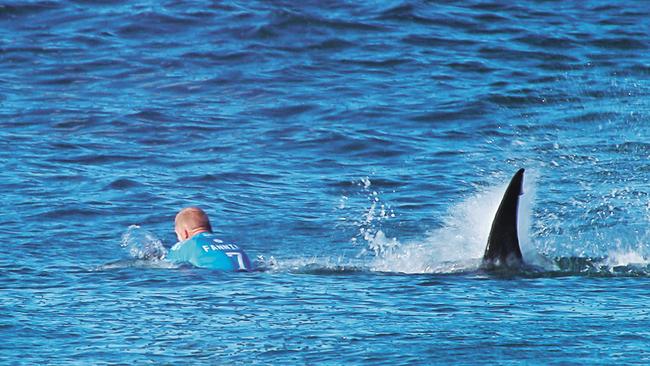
(503, 243)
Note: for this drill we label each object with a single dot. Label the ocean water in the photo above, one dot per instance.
(357, 150)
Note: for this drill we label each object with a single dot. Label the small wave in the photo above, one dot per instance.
(620, 44)
(149, 23)
(70, 212)
(632, 147)
(471, 66)
(507, 100)
(400, 12)
(543, 41)
(387, 63)
(437, 41)
(333, 44)
(150, 115)
(27, 9)
(616, 264)
(96, 159)
(410, 14)
(382, 183)
(320, 269)
(136, 263)
(591, 117)
(493, 6)
(122, 184)
(284, 19)
(210, 58)
(470, 111)
(315, 266)
(287, 111)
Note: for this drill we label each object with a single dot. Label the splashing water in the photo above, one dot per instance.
(457, 246)
(369, 223)
(142, 244)
(618, 258)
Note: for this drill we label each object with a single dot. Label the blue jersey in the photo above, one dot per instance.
(207, 251)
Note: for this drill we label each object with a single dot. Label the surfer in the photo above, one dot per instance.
(199, 246)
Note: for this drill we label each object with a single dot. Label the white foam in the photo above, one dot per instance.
(142, 244)
(459, 244)
(310, 264)
(618, 258)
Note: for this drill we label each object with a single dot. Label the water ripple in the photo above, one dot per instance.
(318, 134)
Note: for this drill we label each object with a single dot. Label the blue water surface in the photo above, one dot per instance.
(358, 150)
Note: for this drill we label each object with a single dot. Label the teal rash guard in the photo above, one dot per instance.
(205, 250)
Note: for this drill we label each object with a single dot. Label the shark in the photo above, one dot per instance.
(502, 249)
(503, 253)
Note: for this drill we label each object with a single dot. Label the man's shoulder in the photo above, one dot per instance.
(194, 241)
(185, 246)
(213, 239)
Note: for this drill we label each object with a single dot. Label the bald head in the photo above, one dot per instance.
(191, 221)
